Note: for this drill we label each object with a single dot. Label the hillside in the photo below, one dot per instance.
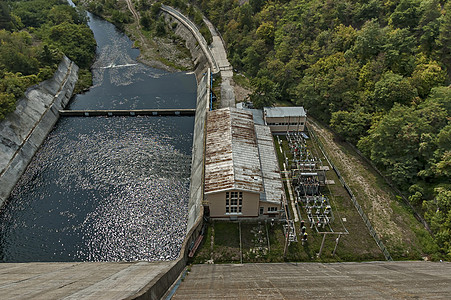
(375, 71)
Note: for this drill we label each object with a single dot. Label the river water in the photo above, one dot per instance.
(108, 189)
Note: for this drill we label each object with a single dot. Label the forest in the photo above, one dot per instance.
(34, 35)
(377, 72)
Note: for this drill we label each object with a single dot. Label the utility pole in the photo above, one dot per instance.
(336, 241)
(286, 244)
(336, 244)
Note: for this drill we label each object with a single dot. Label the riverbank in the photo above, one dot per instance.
(23, 131)
(166, 52)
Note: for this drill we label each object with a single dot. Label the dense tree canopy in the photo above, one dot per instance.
(377, 71)
(33, 36)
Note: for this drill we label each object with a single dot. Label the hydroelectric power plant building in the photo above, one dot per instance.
(242, 176)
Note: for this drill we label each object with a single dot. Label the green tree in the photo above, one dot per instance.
(439, 216)
(442, 96)
(265, 92)
(328, 86)
(160, 27)
(7, 104)
(367, 11)
(426, 76)
(76, 41)
(17, 53)
(390, 89)
(34, 13)
(444, 38)
(155, 10)
(402, 142)
(6, 21)
(266, 32)
(406, 14)
(399, 50)
(256, 5)
(369, 41)
(245, 16)
(146, 22)
(351, 125)
(429, 25)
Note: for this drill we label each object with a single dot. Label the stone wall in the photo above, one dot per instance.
(24, 130)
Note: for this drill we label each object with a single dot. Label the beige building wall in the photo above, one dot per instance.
(283, 123)
(265, 206)
(217, 204)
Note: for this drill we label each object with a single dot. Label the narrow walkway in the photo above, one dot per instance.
(220, 55)
(290, 193)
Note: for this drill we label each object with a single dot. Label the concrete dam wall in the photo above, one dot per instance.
(194, 41)
(204, 64)
(158, 286)
(24, 130)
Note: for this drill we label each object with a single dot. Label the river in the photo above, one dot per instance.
(108, 189)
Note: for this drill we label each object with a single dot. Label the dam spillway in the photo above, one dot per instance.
(108, 189)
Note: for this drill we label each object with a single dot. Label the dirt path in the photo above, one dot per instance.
(133, 11)
(155, 50)
(377, 203)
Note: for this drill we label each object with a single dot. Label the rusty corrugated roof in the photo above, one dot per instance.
(231, 158)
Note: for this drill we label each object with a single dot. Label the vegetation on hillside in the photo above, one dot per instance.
(34, 35)
(151, 21)
(376, 71)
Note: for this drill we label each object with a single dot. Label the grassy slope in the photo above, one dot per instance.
(402, 234)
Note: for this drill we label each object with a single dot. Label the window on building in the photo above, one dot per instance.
(234, 202)
(272, 209)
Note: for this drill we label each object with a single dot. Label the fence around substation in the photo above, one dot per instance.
(365, 219)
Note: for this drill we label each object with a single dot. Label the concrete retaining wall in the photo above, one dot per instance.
(203, 76)
(200, 61)
(159, 285)
(24, 130)
(198, 158)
